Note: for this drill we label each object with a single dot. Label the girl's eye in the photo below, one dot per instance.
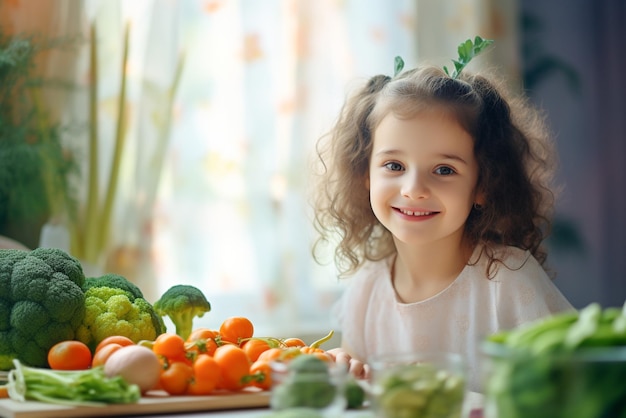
(393, 166)
(444, 171)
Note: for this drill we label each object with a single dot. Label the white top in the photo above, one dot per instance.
(373, 321)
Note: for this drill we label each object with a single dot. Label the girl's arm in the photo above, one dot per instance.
(358, 368)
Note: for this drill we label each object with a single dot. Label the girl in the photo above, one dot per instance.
(438, 188)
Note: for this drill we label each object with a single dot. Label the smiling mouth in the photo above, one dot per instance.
(412, 213)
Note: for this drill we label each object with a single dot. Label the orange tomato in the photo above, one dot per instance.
(293, 342)
(171, 346)
(236, 328)
(176, 377)
(318, 352)
(261, 374)
(206, 372)
(69, 355)
(116, 339)
(101, 355)
(234, 366)
(254, 348)
(202, 334)
(202, 340)
(271, 354)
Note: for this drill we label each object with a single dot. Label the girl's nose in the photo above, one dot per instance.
(415, 186)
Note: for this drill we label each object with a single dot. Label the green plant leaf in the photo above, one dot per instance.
(398, 65)
(468, 50)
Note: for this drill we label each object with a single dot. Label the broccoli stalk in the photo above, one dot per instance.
(182, 303)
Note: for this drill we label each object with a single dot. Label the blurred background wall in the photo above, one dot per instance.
(574, 59)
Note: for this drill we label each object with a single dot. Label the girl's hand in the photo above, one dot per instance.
(356, 367)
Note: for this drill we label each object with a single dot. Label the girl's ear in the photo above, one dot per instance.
(367, 182)
(479, 198)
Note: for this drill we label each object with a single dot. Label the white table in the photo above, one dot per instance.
(472, 401)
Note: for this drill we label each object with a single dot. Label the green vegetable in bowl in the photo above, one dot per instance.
(182, 303)
(570, 365)
(419, 390)
(355, 394)
(88, 387)
(41, 303)
(307, 381)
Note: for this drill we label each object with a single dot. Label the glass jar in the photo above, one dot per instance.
(588, 382)
(425, 385)
(305, 383)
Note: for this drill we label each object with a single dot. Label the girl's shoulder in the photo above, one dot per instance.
(509, 261)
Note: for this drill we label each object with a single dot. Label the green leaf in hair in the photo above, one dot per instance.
(467, 51)
(398, 65)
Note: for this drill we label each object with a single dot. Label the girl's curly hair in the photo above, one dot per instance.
(512, 145)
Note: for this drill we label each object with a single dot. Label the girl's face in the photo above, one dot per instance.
(422, 178)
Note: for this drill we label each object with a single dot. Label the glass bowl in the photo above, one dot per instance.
(304, 383)
(425, 385)
(589, 382)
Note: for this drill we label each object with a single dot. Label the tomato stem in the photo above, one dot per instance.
(322, 340)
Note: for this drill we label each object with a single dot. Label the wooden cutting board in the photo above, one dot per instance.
(153, 403)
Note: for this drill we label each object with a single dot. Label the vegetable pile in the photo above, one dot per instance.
(45, 298)
(71, 339)
(572, 364)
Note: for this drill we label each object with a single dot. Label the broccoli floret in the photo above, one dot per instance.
(182, 303)
(41, 303)
(115, 281)
(113, 308)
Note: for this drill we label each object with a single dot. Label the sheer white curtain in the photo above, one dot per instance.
(213, 183)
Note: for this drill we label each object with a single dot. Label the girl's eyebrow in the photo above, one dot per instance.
(454, 157)
(384, 152)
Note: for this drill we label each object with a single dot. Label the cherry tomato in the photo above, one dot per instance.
(293, 342)
(176, 377)
(234, 365)
(271, 354)
(207, 373)
(101, 355)
(236, 328)
(117, 339)
(202, 340)
(261, 374)
(171, 346)
(69, 355)
(202, 334)
(254, 348)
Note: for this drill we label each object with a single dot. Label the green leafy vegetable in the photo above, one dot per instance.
(570, 365)
(89, 387)
(468, 50)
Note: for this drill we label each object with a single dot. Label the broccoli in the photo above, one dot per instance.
(115, 281)
(41, 303)
(182, 303)
(115, 306)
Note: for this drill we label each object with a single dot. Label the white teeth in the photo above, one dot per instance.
(411, 213)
